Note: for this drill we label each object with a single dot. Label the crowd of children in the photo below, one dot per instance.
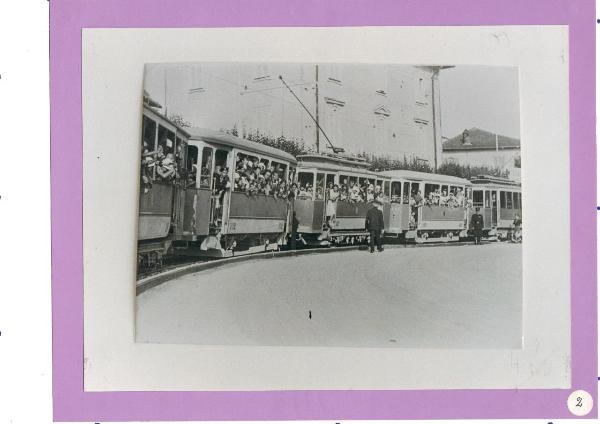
(253, 177)
(454, 199)
(156, 165)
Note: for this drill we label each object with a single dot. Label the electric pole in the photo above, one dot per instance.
(317, 103)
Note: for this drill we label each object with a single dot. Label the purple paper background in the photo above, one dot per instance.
(71, 403)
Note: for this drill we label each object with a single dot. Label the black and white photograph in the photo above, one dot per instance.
(330, 204)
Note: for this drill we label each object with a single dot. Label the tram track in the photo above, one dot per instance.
(187, 265)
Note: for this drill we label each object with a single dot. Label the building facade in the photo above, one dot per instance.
(382, 109)
(476, 147)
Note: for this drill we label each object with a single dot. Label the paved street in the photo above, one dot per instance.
(432, 297)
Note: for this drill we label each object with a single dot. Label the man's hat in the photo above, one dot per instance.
(377, 202)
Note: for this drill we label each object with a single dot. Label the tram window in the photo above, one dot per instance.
(487, 199)
(206, 168)
(396, 191)
(386, 189)
(254, 166)
(414, 189)
(282, 172)
(503, 199)
(405, 193)
(148, 134)
(292, 175)
(320, 186)
(330, 180)
(148, 166)
(494, 199)
(516, 201)
(444, 190)
(165, 140)
(477, 198)
(430, 190)
(221, 159)
(509, 202)
(191, 165)
(519, 201)
(181, 148)
(279, 169)
(241, 162)
(343, 181)
(453, 190)
(305, 184)
(352, 180)
(265, 162)
(166, 168)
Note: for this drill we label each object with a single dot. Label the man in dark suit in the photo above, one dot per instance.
(374, 224)
(477, 225)
(294, 235)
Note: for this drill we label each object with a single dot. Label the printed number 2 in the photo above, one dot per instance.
(579, 404)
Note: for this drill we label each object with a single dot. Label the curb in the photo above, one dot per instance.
(154, 280)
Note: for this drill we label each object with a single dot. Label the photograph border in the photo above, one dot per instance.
(72, 403)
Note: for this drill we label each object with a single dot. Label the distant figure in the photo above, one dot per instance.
(477, 225)
(333, 194)
(375, 225)
(294, 231)
(516, 234)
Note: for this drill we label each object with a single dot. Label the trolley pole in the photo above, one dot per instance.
(316, 121)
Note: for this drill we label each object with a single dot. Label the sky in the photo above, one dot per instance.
(486, 97)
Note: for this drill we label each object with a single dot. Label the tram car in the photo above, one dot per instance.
(323, 220)
(161, 139)
(499, 200)
(427, 207)
(197, 209)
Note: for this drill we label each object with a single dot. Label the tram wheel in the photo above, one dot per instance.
(421, 238)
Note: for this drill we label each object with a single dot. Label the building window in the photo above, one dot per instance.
(382, 112)
(262, 78)
(335, 103)
(262, 74)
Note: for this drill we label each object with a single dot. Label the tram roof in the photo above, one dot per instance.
(163, 120)
(425, 176)
(336, 164)
(491, 180)
(217, 137)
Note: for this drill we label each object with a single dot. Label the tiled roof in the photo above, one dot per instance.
(479, 139)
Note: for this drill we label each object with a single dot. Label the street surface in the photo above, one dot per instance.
(432, 297)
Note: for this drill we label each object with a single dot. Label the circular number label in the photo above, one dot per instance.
(580, 403)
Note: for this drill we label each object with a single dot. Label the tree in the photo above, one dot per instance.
(468, 171)
(389, 163)
(292, 146)
(297, 147)
(179, 121)
(518, 161)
